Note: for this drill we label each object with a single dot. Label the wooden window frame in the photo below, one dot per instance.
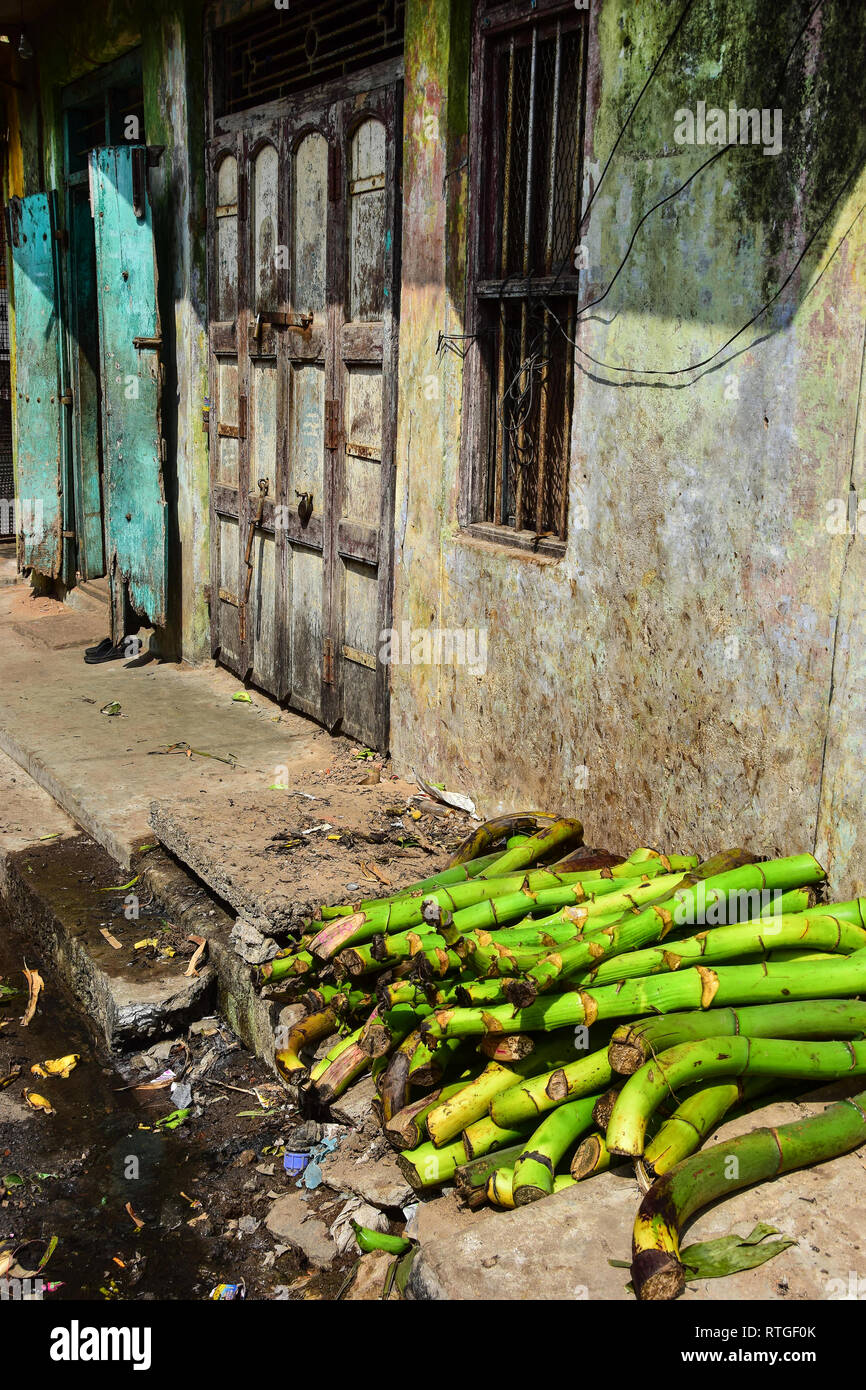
(492, 21)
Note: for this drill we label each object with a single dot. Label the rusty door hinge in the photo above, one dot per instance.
(328, 661)
(68, 535)
(332, 424)
(60, 234)
(66, 398)
(139, 343)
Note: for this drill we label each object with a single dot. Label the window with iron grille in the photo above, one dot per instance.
(528, 116)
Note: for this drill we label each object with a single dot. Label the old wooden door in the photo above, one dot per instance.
(129, 348)
(303, 329)
(43, 493)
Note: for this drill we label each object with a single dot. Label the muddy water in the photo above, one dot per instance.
(82, 1165)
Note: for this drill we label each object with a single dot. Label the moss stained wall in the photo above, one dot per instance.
(76, 42)
(691, 673)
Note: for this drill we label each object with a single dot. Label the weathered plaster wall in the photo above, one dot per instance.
(75, 43)
(700, 650)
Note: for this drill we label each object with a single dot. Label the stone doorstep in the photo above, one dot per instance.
(60, 925)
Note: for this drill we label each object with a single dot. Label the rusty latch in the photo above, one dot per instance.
(155, 343)
(332, 424)
(328, 661)
(66, 398)
(280, 319)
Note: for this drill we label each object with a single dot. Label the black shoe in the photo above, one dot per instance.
(118, 653)
(103, 646)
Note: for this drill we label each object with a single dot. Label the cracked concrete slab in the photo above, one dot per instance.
(275, 857)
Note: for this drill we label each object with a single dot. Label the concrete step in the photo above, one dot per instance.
(56, 898)
(91, 596)
(52, 882)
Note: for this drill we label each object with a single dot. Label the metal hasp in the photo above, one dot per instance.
(130, 339)
(302, 323)
(248, 558)
(40, 386)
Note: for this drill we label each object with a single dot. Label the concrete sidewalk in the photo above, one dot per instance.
(104, 770)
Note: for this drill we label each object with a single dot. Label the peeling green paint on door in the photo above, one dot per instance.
(40, 435)
(130, 340)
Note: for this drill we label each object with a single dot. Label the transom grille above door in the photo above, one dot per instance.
(279, 52)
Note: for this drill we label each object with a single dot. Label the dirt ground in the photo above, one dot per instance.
(90, 1172)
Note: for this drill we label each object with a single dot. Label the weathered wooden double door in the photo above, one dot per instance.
(303, 279)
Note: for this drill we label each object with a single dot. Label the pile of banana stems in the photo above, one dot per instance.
(536, 1012)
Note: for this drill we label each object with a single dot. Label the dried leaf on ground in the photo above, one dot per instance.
(35, 984)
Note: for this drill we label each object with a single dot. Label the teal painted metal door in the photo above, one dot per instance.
(40, 429)
(129, 349)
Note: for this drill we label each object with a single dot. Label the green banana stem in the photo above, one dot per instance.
(696, 987)
(297, 963)
(310, 1030)
(450, 1118)
(763, 1154)
(384, 1030)
(700, 1113)
(535, 1168)
(697, 897)
(479, 992)
(340, 1073)
(524, 1101)
(513, 1047)
(720, 1056)
(485, 1135)
(429, 1065)
(495, 961)
(471, 1176)
(339, 1047)
(500, 1184)
(633, 1044)
(342, 1000)
(497, 829)
(401, 945)
(563, 834)
(427, 1166)
(586, 895)
(591, 1156)
(460, 874)
(802, 930)
(854, 910)
(402, 913)
(406, 1129)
